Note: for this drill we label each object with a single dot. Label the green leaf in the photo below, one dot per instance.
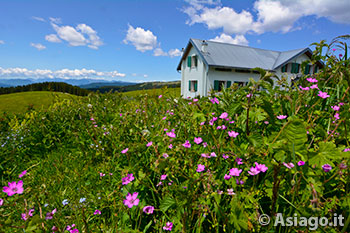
(327, 153)
(166, 203)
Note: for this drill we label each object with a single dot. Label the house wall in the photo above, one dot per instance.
(195, 74)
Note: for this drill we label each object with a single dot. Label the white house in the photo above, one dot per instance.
(207, 65)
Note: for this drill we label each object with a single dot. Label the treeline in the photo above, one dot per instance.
(141, 86)
(46, 86)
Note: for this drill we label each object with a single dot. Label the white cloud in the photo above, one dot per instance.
(38, 19)
(38, 46)
(63, 73)
(142, 40)
(174, 53)
(238, 39)
(55, 20)
(145, 75)
(52, 38)
(271, 15)
(76, 36)
(159, 52)
(2, 42)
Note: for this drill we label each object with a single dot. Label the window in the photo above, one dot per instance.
(219, 85)
(193, 85)
(307, 69)
(284, 68)
(241, 84)
(242, 71)
(223, 69)
(192, 61)
(315, 69)
(295, 68)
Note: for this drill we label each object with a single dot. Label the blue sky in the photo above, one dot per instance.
(134, 40)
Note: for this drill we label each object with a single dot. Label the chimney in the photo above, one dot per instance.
(204, 46)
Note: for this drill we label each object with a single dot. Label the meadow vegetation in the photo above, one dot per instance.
(158, 163)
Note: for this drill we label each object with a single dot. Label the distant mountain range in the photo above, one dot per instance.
(83, 83)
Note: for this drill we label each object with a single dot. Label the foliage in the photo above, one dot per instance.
(80, 155)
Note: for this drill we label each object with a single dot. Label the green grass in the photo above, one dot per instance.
(154, 92)
(22, 101)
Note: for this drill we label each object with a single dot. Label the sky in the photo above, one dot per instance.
(141, 40)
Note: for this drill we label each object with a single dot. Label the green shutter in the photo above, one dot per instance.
(298, 68)
(228, 84)
(189, 85)
(216, 85)
(284, 68)
(195, 61)
(307, 69)
(315, 69)
(295, 68)
(188, 61)
(195, 85)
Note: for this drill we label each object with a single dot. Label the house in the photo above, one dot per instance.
(207, 65)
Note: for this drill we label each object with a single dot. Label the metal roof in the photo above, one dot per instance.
(237, 56)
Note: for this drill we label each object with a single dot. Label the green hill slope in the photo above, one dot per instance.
(22, 101)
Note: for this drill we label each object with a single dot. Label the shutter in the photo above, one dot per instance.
(216, 85)
(307, 69)
(298, 68)
(189, 85)
(294, 68)
(189, 62)
(315, 69)
(195, 85)
(195, 61)
(228, 84)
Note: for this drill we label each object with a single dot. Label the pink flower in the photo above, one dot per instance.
(266, 122)
(131, 200)
(281, 117)
(1, 202)
(301, 163)
(205, 155)
(239, 161)
(187, 144)
(214, 100)
(253, 171)
(235, 171)
(225, 156)
(326, 167)
(249, 95)
(227, 177)
(323, 95)
(49, 215)
(168, 226)
(212, 154)
(198, 140)
(71, 230)
(125, 150)
(24, 216)
(170, 146)
(127, 179)
(312, 80)
(223, 115)
(232, 134)
(102, 174)
(314, 86)
(205, 144)
(13, 188)
(335, 108)
(149, 144)
(261, 167)
(148, 209)
(288, 165)
(336, 116)
(160, 96)
(97, 212)
(195, 100)
(230, 192)
(346, 149)
(304, 88)
(171, 134)
(200, 168)
(202, 123)
(163, 177)
(22, 174)
(165, 155)
(239, 181)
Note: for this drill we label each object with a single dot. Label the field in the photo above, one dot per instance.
(160, 163)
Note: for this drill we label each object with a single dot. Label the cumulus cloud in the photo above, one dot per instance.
(271, 15)
(2, 42)
(140, 38)
(55, 20)
(81, 35)
(38, 46)
(38, 19)
(159, 52)
(63, 73)
(52, 38)
(238, 39)
(174, 53)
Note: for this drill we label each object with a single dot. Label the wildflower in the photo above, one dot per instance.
(170, 146)
(220, 192)
(239, 161)
(266, 122)
(336, 116)
(170, 183)
(312, 80)
(200, 168)
(235, 172)
(163, 177)
(24, 216)
(149, 144)
(168, 226)
(341, 166)
(233, 134)
(49, 215)
(22, 174)
(127, 179)
(304, 88)
(301, 163)
(223, 115)
(326, 168)
(1, 202)
(214, 100)
(239, 181)
(97, 212)
(148, 209)
(160, 96)
(171, 134)
(187, 144)
(230, 192)
(249, 95)
(231, 122)
(102, 174)
(219, 127)
(83, 199)
(314, 86)
(205, 144)
(288, 165)
(227, 177)
(281, 117)
(198, 140)
(125, 150)
(160, 183)
(202, 123)
(225, 156)
(165, 155)
(131, 200)
(335, 108)
(54, 228)
(13, 188)
(65, 202)
(253, 171)
(323, 95)
(346, 149)
(205, 155)
(71, 230)
(261, 167)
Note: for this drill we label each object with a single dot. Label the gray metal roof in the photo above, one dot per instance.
(237, 56)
